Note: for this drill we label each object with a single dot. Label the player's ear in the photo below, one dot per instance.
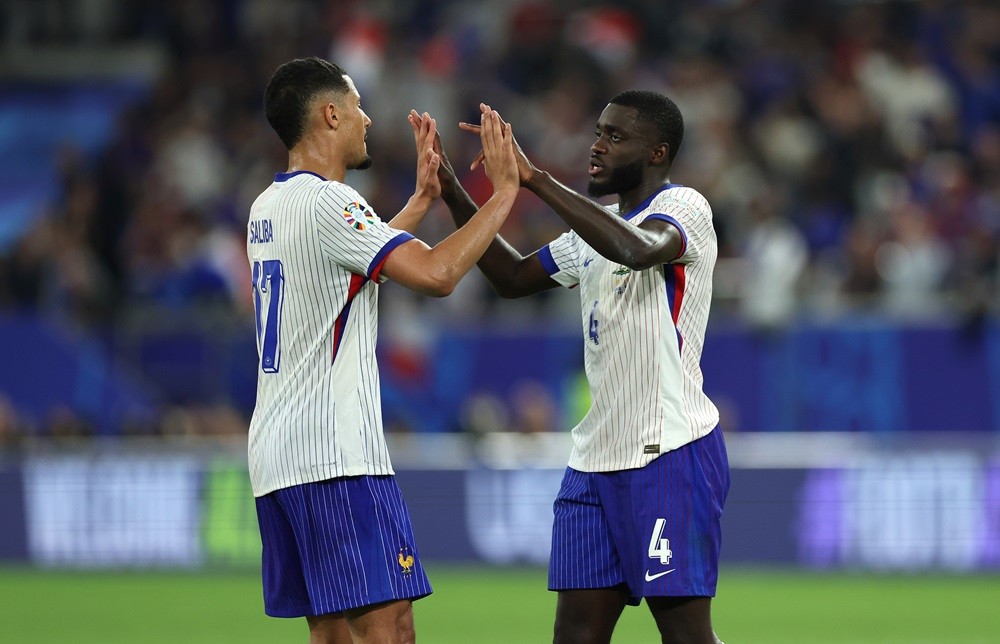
(660, 154)
(330, 116)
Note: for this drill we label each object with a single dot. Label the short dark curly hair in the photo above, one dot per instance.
(657, 111)
(292, 87)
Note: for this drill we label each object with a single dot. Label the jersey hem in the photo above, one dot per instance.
(582, 464)
(260, 490)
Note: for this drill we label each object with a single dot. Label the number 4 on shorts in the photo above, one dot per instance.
(659, 547)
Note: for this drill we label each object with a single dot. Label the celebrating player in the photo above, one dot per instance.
(337, 541)
(638, 514)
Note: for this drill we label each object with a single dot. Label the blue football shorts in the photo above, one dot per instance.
(335, 545)
(656, 528)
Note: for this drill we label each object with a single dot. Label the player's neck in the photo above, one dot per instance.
(307, 155)
(627, 201)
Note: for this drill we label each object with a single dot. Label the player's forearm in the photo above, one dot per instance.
(611, 236)
(458, 253)
(500, 262)
(460, 204)
(412, 214)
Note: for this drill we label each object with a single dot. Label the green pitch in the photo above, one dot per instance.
(497, 605)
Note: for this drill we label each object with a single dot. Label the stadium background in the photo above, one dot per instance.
(850, 151)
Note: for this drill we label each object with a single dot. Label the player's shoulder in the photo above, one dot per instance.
(338, 196)
(678, 197)
(304, 181)
(334, 188)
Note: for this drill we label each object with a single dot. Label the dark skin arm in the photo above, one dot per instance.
(649, 244)
(511, 274)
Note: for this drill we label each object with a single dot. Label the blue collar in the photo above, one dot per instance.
(285, 176)
(648, 200)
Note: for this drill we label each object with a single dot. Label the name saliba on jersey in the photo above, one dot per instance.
(260, 231)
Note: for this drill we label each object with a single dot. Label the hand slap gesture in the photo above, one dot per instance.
(428, 161)
(525, 168)
(498, 150)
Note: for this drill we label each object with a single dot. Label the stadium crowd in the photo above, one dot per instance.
(850, 150)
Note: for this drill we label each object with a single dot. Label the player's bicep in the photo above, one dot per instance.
(665, 241)
(409, 265)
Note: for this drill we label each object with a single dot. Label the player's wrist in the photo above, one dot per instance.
(420, 200)
(505, 191)
(535, 178)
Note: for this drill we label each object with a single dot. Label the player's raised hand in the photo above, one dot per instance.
(428, 160)
(498, 150)
(446, 172)
(525, 168)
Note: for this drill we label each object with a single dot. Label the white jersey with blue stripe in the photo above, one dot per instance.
(316, 250)
(644, 332)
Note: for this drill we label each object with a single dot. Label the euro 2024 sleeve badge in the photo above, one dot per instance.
(358, 215)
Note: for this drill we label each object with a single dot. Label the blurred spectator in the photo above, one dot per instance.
(484, 414)
(65, 425)
(534, 409)
(913, 263)
(775, 258)
(12, 429)
(219, 420)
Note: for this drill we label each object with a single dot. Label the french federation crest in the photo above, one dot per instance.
(621, 279)
(405, 560)
(358, 215)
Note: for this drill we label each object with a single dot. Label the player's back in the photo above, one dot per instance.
(318, 411)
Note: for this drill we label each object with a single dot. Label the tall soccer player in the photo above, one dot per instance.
(338, 545)
(638, 514)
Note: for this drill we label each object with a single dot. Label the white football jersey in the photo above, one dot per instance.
(316, 249)
(643, 336)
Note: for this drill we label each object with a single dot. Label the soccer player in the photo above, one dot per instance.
(638, 513)
(338, 545)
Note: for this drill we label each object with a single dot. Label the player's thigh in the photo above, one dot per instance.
(355, 541)
(385, 623)
(665, 520)
(588, 616)
(583, 554)
(683, 620)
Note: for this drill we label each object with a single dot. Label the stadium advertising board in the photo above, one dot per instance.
(927, 510)
(112, 511)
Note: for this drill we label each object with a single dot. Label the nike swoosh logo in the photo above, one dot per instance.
(586, 262)
(650, 577)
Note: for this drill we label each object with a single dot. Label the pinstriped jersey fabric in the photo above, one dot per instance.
(643, 336)
(316, 249)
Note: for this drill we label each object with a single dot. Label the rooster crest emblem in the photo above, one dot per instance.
(405, 560)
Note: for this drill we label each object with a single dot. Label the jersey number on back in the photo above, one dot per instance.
(268, 280)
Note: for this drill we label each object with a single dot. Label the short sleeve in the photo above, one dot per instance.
(350, 232)
(559, 258)
(690, 213)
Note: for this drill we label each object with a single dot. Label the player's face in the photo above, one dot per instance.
(357, 124)
(620, 154)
